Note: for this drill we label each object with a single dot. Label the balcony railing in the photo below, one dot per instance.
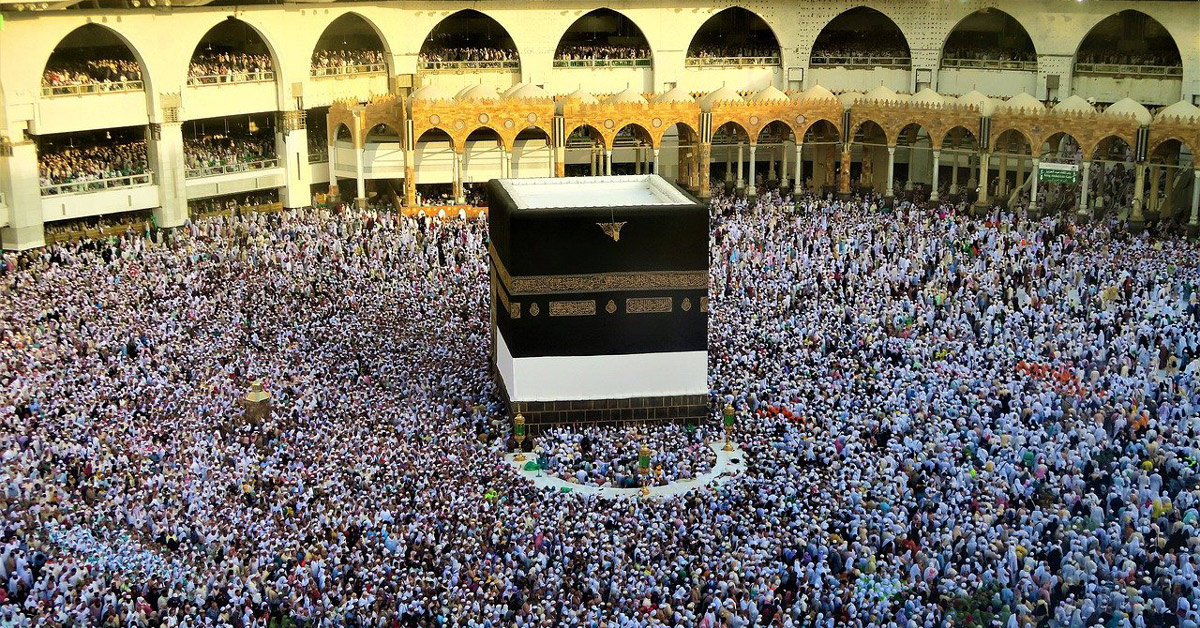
(861, 62)
(990, 64)
(241, 166)
(343, 70)
(729, 62)
(1122, 69)
(318, 157)
(50, 91)
(95, 185)
(602, 63)
(503, 64)
(232, 77)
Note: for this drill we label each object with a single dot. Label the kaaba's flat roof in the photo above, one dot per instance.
(640, 190)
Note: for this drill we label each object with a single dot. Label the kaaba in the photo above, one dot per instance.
(599, 300)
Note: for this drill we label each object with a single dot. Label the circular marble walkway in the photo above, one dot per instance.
(728, 465)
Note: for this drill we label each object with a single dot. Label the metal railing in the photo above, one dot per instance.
(318, 157)
(861, 62)
(232, 77)
(990, 64)
(1129, 70)
(241, 166)
(729, 62)
(344, 70)
(95, 185)
(51, 91)
(503, 64)
(602, 63)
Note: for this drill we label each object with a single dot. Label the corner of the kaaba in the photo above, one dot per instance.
(600, 301)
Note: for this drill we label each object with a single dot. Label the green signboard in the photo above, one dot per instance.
(1058, 173)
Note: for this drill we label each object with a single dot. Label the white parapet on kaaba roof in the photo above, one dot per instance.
(640, 190)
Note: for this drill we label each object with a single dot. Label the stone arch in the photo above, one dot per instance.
(438, 134)
(757, 130)
(774, 122)
(666, 125)
(733, 125)
(1054, 142)
(809, 125)
(870, 132)
(1161, 141)
(1010, 133)
(480, 128)
(966, 20)
(909, 135)
(974, 135)
(513, 134)
(226, 26)
(852, 17)
(570, 38)
(116, 36)
(596, 135)
(686, 152)
(375, 131)
(636, 128)
(354, 17)
(1105, 144)
(1098, 37)
(735, 13)
(501, 40)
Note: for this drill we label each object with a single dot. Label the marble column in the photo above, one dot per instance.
(359, 179)
(891, 171)
(741, 181)
(1195, 220)
(982, 181)
(1033, 184)
(937, 162)
(1085, 188)
(1139, 189)
(751, 188)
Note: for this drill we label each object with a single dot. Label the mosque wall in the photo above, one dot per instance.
(163, 41)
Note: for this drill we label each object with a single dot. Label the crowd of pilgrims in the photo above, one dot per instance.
(345, 61)
(585, 52)
(1119, 57)
(433, 53)
(228, 67)
(89, 167)
(226, 152)
(66, 73)
(987, 53)
(721, 49)
(606, 457)
(947, 421)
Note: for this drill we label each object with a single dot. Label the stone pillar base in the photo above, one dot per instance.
(1137, 226)
(360, 203)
